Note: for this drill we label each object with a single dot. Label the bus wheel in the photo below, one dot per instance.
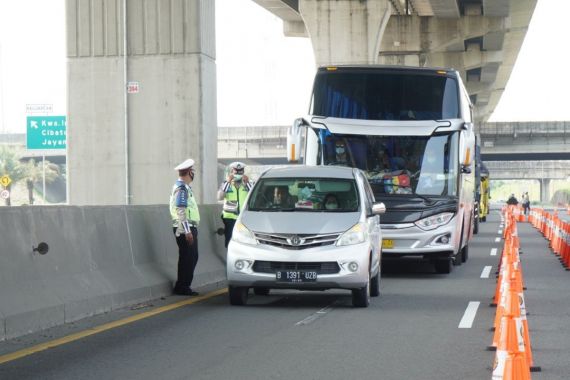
(443, 266)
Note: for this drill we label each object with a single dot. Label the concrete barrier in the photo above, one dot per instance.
(100, 258)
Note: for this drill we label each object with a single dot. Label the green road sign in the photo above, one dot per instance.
(46, 132)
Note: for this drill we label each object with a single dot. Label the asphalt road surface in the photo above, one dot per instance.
(423, 326)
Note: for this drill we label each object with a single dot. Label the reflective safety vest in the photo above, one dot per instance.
(181, 196)
(234, 201)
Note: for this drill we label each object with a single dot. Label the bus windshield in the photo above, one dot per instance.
(421, 165)
(355, 93)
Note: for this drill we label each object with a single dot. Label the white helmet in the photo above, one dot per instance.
(237, 167)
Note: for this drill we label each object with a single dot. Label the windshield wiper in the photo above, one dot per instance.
(425, 198)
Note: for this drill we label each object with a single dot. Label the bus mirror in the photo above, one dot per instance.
(467, 157)
(294, 141)
(467, 147)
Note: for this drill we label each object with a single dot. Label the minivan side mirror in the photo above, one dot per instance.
(378, 208)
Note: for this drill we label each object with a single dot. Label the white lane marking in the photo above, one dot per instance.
(497, 240)
(500, 232)
(486, 271)
(311, 318)
(469, 315)
(493, 251)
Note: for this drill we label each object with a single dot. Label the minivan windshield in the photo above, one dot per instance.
(304, 194)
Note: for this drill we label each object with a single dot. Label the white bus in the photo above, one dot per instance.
(411, 131)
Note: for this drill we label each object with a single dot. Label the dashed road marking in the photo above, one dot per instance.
(497, 240)
(469, 315)
(493, 251)
(500, 232)
(313, 317)
(486, 271)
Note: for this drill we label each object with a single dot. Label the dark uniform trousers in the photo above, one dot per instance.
(228, 228)
(187, 259)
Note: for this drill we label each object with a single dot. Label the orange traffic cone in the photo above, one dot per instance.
(511, 347)
(515, 368)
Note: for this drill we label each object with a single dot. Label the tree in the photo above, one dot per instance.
(34, 173)
(10, 165)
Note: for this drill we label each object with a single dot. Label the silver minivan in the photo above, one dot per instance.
(307, 228)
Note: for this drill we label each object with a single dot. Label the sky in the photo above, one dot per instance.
(263, 77)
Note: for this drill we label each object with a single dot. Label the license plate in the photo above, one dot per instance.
(387, 243)
(295, 276)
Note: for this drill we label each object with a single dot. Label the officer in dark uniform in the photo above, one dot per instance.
(185, 218)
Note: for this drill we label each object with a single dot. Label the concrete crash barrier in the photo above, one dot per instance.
(100, 258)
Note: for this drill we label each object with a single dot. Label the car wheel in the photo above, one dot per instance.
(443, 266)
(361, 297)
(465, 253)
(261, 291)
(375, 285)
(484, 219)
(457, 259)
(238, 295)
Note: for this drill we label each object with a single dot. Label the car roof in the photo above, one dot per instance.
(304, 171)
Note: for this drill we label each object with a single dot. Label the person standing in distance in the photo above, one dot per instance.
(233, 192)
(185, 218)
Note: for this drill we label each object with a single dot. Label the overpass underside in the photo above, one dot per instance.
(479, 38)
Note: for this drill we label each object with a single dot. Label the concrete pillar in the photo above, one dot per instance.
(171, 56)
(545, 190)
(345, 31)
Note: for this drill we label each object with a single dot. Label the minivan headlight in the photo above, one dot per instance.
(356, 235)
(243, 235)
(434, 221)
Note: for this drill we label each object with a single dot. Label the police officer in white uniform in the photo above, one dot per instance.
(185, 218)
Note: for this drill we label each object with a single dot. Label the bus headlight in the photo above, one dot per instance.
(434, 221)
(356, 235)
(242, 234)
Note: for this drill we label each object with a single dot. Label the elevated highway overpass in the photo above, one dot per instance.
(525, 141)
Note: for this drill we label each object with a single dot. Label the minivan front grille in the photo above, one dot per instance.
(328, 267)
(296, 241)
